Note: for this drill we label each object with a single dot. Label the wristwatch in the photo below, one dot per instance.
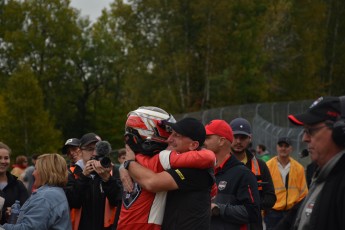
(126, 163)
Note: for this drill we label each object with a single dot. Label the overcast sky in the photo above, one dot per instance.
(92, 8)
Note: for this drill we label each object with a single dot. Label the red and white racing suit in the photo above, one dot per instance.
(144, 210)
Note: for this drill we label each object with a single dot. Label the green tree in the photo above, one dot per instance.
(26, 126)
(44, 34)
(182, 56)
(334, 71)
(179, 50)
(11, 19)
(295, 45)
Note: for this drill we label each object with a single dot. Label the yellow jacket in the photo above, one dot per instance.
(297, 186)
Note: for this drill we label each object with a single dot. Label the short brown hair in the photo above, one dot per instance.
(52, 169)
(21, 159)
(262, 147)
(121, 152)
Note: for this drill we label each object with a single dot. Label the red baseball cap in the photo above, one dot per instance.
(220, 128)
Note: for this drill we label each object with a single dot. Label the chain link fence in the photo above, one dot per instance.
(269, 122)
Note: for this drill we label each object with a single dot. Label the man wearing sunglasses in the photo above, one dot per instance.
(324, 132)
(289, 182)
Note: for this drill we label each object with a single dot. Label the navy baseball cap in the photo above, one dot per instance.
(190, 127)
(323, 109)
(70, 142)
(241, 126)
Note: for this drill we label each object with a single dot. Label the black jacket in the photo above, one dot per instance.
(15, 190)
(89, 194)
(329, 208)
(237, 197)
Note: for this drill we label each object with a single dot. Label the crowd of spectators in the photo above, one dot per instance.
(183, 175)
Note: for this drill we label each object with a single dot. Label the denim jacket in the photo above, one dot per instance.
(47, 208)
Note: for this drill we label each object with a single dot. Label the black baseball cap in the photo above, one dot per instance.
(241, 126)
(285, 140)
(190, 127)
(70, 142)
(89, 138)
(323, 109)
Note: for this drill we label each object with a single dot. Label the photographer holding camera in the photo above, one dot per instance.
(94, 191)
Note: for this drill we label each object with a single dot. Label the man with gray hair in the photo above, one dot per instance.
(324, 132)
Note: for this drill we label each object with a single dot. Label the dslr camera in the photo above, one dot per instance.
(105, 161)
(103, 148)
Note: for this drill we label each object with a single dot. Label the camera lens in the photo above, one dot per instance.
(105, 162)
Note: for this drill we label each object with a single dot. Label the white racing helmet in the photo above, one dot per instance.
(145, 129)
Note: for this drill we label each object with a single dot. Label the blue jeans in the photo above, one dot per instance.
(272, 218)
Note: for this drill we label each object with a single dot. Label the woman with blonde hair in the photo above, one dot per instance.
(47, 208)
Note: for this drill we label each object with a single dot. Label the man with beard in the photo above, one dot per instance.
(242, 138)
